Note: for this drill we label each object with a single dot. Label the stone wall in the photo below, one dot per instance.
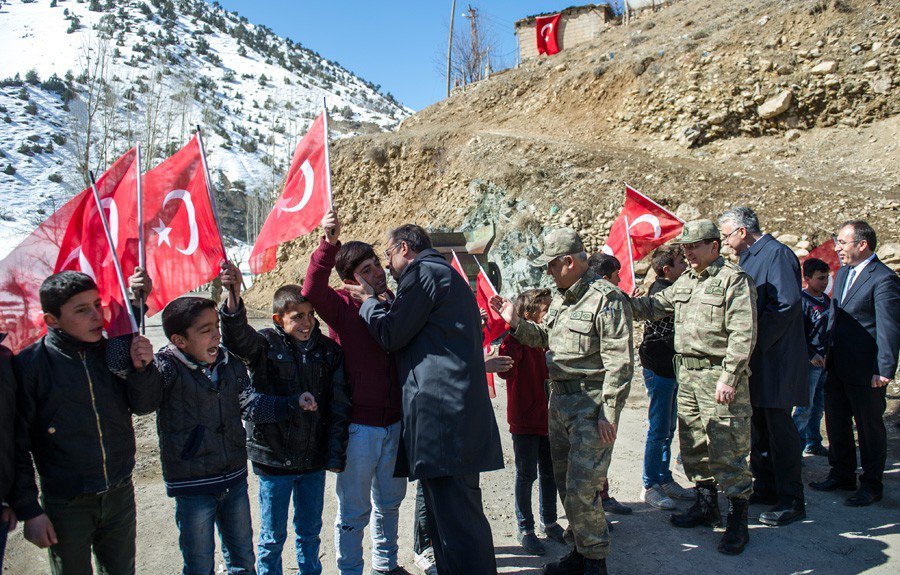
(575, 27)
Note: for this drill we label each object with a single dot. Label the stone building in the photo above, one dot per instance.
(578, 24)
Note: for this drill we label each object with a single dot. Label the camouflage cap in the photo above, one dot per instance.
(559, 242)
(698, 230)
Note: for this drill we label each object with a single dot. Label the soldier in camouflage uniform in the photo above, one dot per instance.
(590, 360)
(714, 304)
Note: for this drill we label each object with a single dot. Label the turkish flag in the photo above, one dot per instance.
(302, 204)
(24, 269)
(642, 226)
(85, 247)
(546, 26)
(826, 253)
(183, 245)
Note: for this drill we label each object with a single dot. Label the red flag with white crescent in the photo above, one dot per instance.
(642, 226)
(184, 248)
(302, 204)
(546, 28)
(85, 247)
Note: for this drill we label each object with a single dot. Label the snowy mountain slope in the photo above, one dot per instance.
(150, 71)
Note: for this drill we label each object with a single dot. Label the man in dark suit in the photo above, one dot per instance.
(450, 435)
(777, 366)
(861, 359)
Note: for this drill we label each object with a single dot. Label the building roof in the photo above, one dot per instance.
(568, 12)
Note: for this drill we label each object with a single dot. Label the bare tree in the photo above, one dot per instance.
(93, 62)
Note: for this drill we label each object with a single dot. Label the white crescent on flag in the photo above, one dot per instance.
(163, 231)
(650, 219)
(545, 33)
(83, 263)
(308, 181)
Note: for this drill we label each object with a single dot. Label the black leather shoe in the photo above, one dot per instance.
(831, 483)
(864, 496)
(704, 511)
(594, 566)
(783, 513)
(763, 499)
(612, 506)
(571, 564)
(531, 543)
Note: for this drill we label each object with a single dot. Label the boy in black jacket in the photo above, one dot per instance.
(202, 442)
(290, 457)
(7, 417)
(74, 418)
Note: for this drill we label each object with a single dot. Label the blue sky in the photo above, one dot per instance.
(395, 44)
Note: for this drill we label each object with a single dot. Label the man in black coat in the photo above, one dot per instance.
(777, 366)
(7, 445)
(433, 328)
(861, 359)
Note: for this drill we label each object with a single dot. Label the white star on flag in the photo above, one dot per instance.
(163, 233)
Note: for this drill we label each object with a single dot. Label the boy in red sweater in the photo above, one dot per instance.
(527, 417)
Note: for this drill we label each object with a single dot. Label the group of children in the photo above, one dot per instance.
(75, 394)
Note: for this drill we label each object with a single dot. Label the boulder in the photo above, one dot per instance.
(791, 135)
(788, 239)
(775, 106)
(870, 66)
(822, 68)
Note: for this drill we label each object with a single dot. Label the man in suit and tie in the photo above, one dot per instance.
(777, 367)
(861, 359)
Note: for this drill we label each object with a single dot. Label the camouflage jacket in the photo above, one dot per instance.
(588, 332)
(715, 316)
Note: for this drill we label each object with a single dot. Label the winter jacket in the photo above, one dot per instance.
(815, 322)
(526, 405)
(280, 365)
(202, 442)
(74, 418)
(657, 350)
(7, 419)
(370, 370)
(433, 328)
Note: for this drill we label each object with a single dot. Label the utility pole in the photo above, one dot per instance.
(450, 44)
(476, 50)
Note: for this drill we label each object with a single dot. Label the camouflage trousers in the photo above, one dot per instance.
(580, 464)
(715, 438)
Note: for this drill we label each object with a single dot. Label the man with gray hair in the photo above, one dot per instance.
(777, 366)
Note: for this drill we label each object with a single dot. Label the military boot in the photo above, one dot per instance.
(704, 511)
(594, 567)
(736, 534)
(571, 564)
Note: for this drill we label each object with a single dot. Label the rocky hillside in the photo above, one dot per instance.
(689, 104)
(81, 81)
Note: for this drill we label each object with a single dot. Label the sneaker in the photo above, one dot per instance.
(612, 506)
(816, 450)
(424, 562)
(531, 543)
(675, 491)
(398, 570)
(555, 532)
(655, 497)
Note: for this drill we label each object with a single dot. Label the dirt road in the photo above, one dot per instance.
(834, 538)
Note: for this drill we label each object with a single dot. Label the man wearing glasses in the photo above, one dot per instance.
(714, 305)
(860, 360)
(778, 373)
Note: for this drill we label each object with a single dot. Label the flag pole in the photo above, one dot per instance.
(142, 252)
(327, 161)
(112, 249)
(212, 200)
(630, 255)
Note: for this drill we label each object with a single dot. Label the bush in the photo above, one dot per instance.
(9, 170)
(25, 150)
(55, 178)
(31, 108)
(249, 145)
(34, 138)
(23, 93)
(31, 76)
(59, 139)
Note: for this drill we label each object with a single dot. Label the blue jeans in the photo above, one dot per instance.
(662, 419)
(809, 419)
(198, 515)
(4, 532)
(275, 491)
(367, 491)
(532, 455)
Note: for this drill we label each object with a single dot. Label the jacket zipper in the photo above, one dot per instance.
(312, 430)
(96, 417)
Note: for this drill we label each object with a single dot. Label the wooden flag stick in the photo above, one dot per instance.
(142, 252)
(331, 231)
(112, 248)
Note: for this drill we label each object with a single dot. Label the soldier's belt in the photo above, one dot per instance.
(572, 386)
(696, 362)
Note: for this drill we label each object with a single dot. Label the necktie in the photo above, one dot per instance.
(849, 284)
